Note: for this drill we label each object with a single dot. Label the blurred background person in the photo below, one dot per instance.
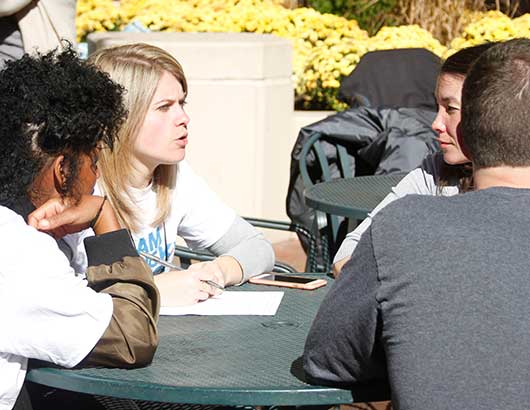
(27, 26)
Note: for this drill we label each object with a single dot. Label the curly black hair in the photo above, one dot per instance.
(53, 104)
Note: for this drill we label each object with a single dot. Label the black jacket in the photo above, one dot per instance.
(383, 141)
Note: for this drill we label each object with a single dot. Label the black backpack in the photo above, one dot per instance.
(400, 78)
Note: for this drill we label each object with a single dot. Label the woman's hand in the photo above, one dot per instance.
(179, 288)
(211, 269)
(226, 270)
(337, 267)
(59, 218)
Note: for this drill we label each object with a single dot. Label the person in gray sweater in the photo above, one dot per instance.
(434, 299)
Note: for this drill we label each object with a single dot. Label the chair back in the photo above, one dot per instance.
(330, 152)
(314, 146)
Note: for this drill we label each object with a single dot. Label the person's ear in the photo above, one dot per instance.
(59, 173)
(462, 143)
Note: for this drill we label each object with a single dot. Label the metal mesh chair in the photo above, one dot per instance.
(113, 403)
(186, 255)
(329, 229)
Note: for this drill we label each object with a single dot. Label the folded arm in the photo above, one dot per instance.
(115, 268)
(248, 249)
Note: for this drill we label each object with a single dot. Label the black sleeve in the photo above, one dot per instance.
(110, 247)
(343, 346)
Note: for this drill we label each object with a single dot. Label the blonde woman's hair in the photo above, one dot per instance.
(138, 68)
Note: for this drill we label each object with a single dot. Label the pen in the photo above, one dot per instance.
(175, 267)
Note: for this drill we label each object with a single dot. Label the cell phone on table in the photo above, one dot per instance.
(288, 281)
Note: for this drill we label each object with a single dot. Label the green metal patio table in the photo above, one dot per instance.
(224, 360)
(351, 197)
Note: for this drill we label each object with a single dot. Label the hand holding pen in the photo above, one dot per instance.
(180, 287)
(178, 268)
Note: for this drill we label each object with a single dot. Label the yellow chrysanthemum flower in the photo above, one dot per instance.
(326, 47)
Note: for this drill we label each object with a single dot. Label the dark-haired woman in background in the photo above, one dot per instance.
(57, 113)
(444, 173)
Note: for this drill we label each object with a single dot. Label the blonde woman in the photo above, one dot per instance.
(154, 191)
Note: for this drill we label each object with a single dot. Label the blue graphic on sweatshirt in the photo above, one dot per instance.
(154, 245)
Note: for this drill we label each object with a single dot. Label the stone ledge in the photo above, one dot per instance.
(229, 55)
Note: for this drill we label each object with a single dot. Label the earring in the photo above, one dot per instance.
(63, 177)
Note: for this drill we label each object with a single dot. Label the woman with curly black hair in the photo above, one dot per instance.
(56, 114)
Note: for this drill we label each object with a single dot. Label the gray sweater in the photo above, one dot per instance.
(435, 298)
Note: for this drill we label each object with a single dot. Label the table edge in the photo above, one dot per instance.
(358, 213)
(313, 395)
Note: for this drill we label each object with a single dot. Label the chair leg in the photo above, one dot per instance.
(322, 244)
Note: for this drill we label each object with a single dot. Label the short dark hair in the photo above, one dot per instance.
(495, 124)
(461, 61)
(52, 104)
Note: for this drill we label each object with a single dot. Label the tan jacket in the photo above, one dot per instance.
(131, 338)
(43, 23)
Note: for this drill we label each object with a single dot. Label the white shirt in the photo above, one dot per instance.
(197, 215)
(46, 311)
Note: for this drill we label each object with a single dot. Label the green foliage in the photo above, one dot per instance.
(370, 14)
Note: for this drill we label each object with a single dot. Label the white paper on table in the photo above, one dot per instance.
(231, 303)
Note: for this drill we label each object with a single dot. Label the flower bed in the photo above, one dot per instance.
(326, 47)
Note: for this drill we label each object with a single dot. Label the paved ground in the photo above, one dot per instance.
(291, 252)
